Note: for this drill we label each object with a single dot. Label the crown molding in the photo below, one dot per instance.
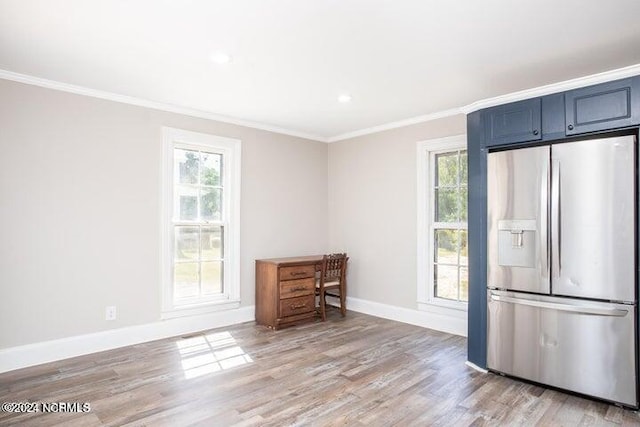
(139, 102)
(397, 124)
(619, 73)
(606, 76)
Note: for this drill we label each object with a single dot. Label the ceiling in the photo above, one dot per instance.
(291, 59)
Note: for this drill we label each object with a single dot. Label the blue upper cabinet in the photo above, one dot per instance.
(512, 123)
(605, 106)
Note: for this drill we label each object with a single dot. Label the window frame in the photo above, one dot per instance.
(230, 149)
(426, 151)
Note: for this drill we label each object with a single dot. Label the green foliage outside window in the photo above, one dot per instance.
(202, 169)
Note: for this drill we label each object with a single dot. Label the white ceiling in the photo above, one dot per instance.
(292, 58)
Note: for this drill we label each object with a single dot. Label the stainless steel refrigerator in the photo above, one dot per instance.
(561, 276)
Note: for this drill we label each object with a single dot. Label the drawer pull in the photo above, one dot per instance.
(298, 273)
(299, 288)
(297, 306)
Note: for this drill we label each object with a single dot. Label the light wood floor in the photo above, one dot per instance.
(360, 370)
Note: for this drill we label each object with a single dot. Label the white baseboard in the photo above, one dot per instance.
(456, 325)
(50, 351)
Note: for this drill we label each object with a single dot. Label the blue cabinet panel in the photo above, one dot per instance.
(553, 122)
(477, 222)
(516, 122)
(601, 107)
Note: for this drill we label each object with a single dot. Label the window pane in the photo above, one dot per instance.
(210, 204)
(464, 175)
(446, 205)
(211, 278)
(463, 204)
(186, 203)
(446, 281)
(446, 246)
(186, 243)
(446, 169)
(450, 255)
(185, 280)
(464, 252)
(211, 168)
(186, 165)
(464, 284)
(211, 243)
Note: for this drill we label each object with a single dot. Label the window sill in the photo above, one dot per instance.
(196, 309)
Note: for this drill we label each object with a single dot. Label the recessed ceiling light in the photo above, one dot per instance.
(221, 58)
(344, 98)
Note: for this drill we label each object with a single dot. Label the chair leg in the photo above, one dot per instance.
(323, 303)
(343, 300)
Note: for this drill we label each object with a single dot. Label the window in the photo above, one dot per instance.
(449, 224)
(442, 246)
(201, 219)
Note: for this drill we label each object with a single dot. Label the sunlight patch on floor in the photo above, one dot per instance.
(206, 354)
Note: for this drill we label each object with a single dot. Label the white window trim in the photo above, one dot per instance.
(425, 292)
(172, 138)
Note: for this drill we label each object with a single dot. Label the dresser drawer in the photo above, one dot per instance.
(299, 305)
(297, 288)
(299, 272)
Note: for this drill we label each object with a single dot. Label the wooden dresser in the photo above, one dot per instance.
(285, 290)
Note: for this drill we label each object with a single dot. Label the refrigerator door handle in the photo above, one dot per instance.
(556, 230)
(544, 232)
(616, 312)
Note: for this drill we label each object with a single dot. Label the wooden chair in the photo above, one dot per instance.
(332, 282)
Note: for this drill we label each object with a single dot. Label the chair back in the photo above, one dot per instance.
(334, 267)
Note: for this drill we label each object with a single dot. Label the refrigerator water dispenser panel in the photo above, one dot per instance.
(517, 243)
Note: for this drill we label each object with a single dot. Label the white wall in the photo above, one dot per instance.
(79, 209)
(372, 209)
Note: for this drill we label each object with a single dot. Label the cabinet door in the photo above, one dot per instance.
(605, 106)
(515, 122)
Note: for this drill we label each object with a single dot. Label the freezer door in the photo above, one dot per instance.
(517, 211)
(582, 346)
(592, 219)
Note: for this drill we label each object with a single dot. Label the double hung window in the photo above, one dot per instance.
(200, 242)
(443, 267)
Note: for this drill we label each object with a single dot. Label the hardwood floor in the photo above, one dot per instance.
(360, 370)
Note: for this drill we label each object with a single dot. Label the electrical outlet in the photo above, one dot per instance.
(110, 313)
